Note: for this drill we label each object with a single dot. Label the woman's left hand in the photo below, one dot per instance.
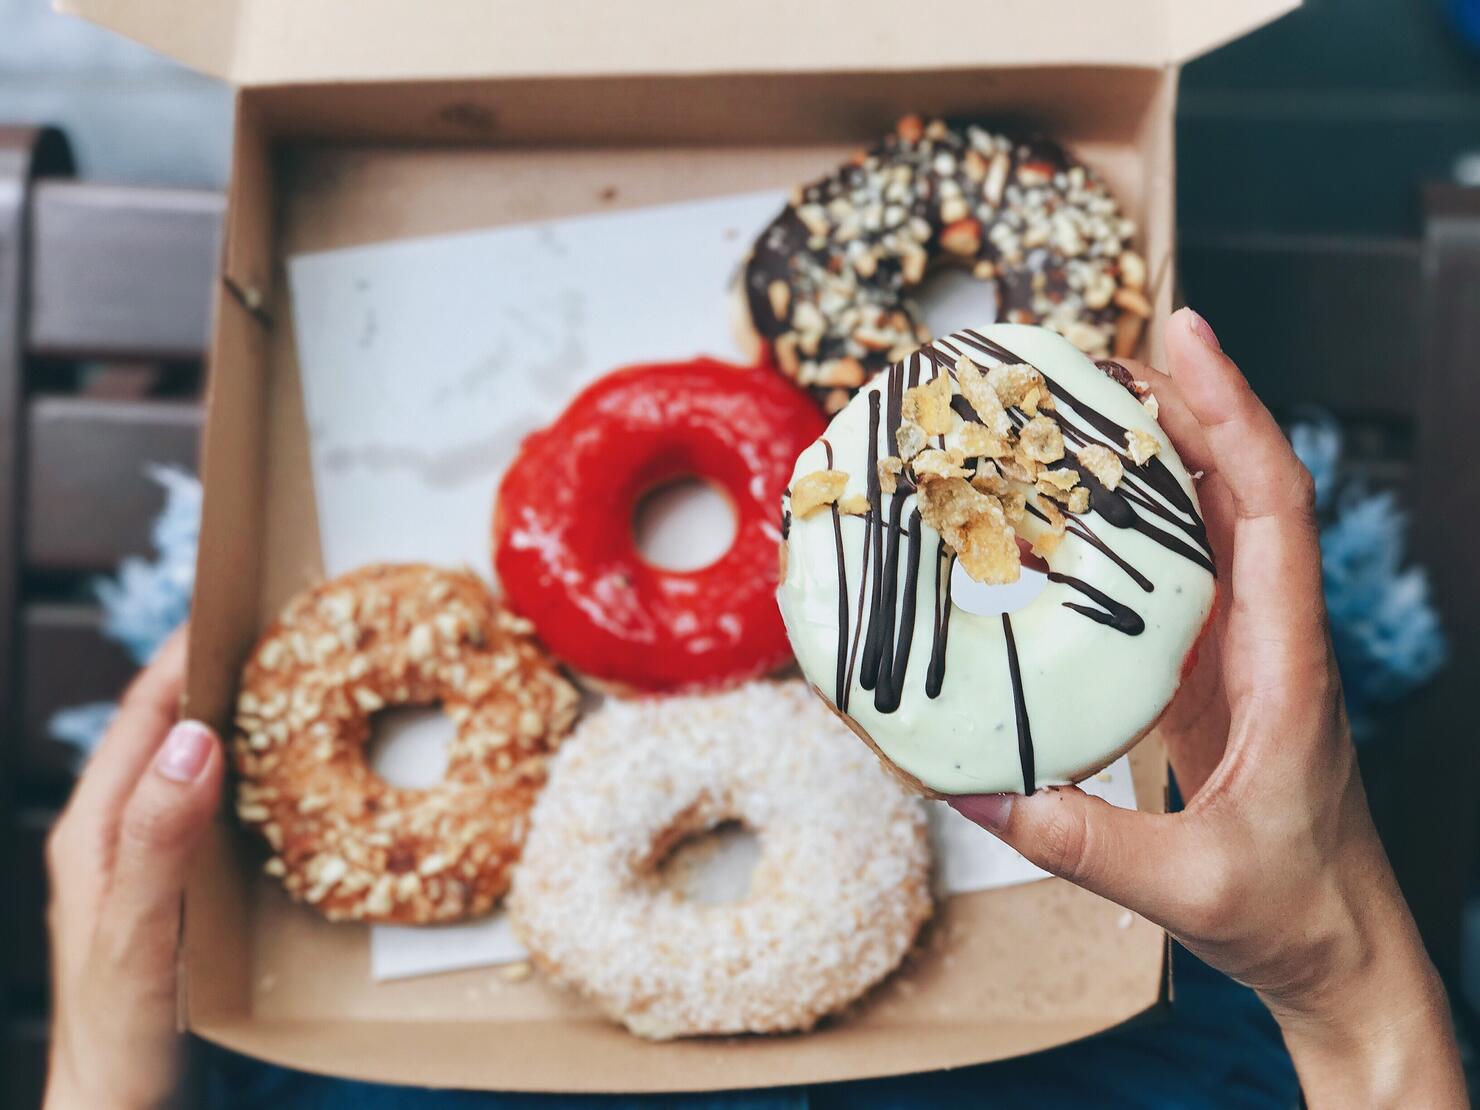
(117, 860)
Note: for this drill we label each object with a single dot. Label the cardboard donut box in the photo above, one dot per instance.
(360, 121)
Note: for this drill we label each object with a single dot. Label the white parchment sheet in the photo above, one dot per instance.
(425, 362)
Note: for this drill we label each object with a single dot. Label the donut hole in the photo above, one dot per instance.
(950, 300)
(683, 524)
(408, 745)
(713, 866)
(990, 601)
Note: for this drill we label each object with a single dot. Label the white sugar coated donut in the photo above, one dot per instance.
(961, 703)
(835, 900)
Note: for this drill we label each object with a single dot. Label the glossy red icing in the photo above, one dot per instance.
(562, 534)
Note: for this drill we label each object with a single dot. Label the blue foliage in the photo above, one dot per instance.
(146, 601)
(150, 598)
(1383, 623)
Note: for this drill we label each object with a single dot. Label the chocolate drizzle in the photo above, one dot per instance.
(935, 672)
(870, 671)
(875, 647)
(886, 657)
(1019, 708)
(1112, 613)
(841, 681)
(896, 658)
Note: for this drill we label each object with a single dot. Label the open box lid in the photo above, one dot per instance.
(279, 42)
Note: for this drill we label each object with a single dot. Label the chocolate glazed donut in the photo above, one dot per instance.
(826, 289)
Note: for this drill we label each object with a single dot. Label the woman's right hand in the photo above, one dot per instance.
(1273, 872)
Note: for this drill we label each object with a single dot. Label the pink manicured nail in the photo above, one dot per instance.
(990, 811)
(185, 752)
(1202, 329)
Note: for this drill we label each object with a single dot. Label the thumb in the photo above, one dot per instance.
(1133, 859)
(163, 820)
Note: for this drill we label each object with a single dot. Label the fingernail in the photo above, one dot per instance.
(185, 752)
(990, 811)
(1203, 330)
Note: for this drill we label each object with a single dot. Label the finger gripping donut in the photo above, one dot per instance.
(562, 536)
(976, 441)
(345, 841)
(827, 285)
(835, 901)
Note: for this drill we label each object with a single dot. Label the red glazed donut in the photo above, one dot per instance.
(562, 533)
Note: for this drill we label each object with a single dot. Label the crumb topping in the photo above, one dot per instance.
(982, 451)
(829, 282)
(342, 839)
(835, 900)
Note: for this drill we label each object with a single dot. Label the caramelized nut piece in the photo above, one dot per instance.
(812, 491)
(983, 398)
(963, 237)
(1141, 445)
(939, 464)
(929, 405)
(1132, 270)
(889, 468)
(779, 294)
(1102, 462)
(1041, 440)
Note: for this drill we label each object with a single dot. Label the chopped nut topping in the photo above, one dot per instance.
(1014, 506)
(812, 491)
(1151, 405)
(1102, 462)
(1047, 543)
(989, 481)
(974, 525)
(1141, 445)
(939, 464)
(1019, 468)
(779, 294)
(845, 372)
(929, 405)
(1133, 301)
(855, 504)
(1041, 440)
(963, 237)
(977, 442)
(1061, 479)
(1057, 522)
(932, 192)
(1048, 540)
(1132, 270)
(889, 468)
(983, 398)
(910, 439)
(1012, 381)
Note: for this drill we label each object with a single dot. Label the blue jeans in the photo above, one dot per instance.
(1218, 1050)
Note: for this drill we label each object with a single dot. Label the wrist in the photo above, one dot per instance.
(81, 1088)
(1375, 1028)
(1398, 1052)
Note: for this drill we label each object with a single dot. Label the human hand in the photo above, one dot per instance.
(117, 860)
(1273, 872)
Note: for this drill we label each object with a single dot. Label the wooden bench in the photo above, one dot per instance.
(104, 305)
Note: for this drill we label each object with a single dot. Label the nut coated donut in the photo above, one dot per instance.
(827, 285)
(345, 841)
(562, 535)
(948, 457)
(835, 900)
